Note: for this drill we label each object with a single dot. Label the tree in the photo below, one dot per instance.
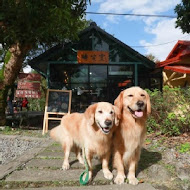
(183, 16)
(152, 58)
(24, 24)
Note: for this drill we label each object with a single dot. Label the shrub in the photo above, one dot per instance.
(37, 104)
(170, 111)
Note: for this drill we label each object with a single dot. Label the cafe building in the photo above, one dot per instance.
(96, 67)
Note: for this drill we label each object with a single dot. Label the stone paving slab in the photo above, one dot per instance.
(70, 175)
(55, 147)
(57, 163)
(142, 186)
(45, 163)
(52, 154)
(50, 175)
(36, 175)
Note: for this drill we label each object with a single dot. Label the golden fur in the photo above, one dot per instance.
(134, 104)
(92, 130)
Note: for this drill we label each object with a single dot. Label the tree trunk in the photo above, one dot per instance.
(3, 97)
(11, 71)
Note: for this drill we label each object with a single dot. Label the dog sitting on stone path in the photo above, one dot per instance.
(92, 130)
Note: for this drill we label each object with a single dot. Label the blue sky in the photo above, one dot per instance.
(140, 31)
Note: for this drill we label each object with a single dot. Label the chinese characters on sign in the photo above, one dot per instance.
(28, 85)
(93, 57)
(28, 94)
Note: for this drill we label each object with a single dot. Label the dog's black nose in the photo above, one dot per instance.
(108, 122)
(140, 104)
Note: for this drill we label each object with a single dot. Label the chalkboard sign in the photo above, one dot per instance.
(58, 103)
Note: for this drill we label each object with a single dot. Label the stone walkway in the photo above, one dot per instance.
(40, 169)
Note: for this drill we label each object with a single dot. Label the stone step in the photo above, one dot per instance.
(142, 186)
(57, 163)
(35, 175)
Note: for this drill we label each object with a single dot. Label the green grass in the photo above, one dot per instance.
(23, 132)
(184, 148)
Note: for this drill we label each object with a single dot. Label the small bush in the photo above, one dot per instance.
(37, 104)
(170, 111)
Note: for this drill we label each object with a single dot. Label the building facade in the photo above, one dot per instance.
(97, 67)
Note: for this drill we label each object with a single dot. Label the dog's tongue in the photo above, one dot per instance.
(139, 113)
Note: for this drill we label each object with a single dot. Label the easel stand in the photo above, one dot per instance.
(51, 115)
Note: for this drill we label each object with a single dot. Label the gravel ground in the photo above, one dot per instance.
(11, 147)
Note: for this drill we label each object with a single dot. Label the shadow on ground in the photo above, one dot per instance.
(148, 159)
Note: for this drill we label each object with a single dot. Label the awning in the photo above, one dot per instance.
(180, 69)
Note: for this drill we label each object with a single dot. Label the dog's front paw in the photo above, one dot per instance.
(133, 181)
(119, 179)
(108, 175)
(65, 166)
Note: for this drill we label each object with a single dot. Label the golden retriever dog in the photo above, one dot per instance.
(134, 105)
(92, 130)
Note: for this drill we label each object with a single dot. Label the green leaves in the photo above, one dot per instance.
(7, 57)
(183, 16)
(183, 148)
(44, 21)
(170, 111)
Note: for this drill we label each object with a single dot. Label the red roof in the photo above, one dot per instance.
(180, 69)
(181, 48)
(179, 58)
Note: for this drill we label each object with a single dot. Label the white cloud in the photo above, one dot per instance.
(165, 32)
(138, 7)
(121, 5)
(113, 19)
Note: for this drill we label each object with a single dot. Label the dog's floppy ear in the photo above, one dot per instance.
(119, 101)
(89, 113)
(117, 115)
(148, 105)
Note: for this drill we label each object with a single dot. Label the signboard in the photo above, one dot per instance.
(28, 94)
(93, 57)
(58, 103)
(29, 76)
(28, 85)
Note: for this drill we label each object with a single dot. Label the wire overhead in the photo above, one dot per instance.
(154, 45)
(130, 14)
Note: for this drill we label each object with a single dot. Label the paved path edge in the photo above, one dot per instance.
(23, 158)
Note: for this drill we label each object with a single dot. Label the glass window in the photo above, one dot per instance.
(79, 74)
(98, 73)
(65, 73)
(120, 70)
